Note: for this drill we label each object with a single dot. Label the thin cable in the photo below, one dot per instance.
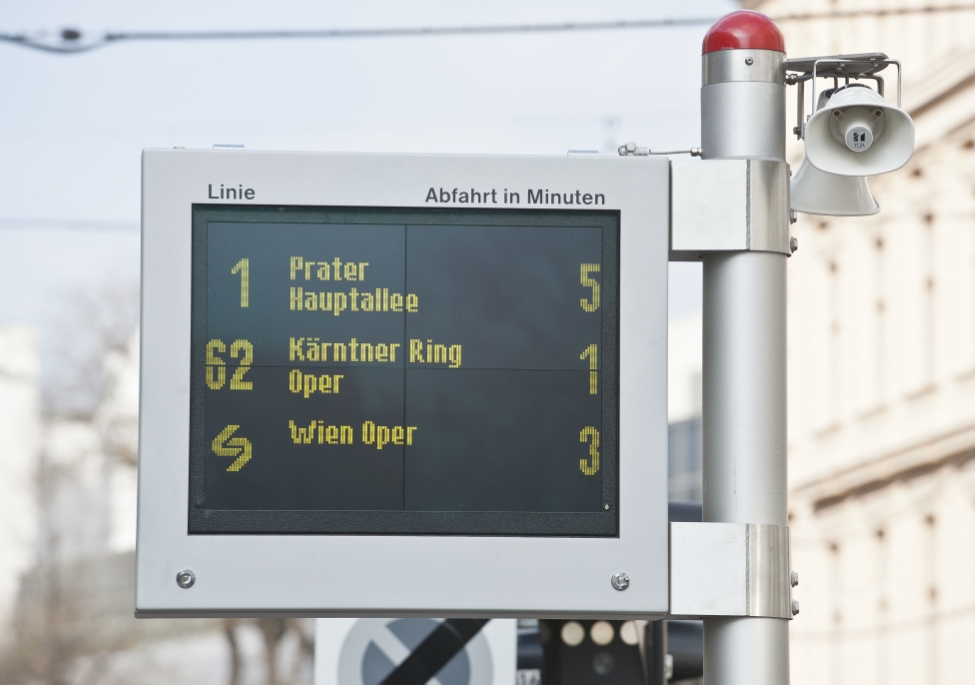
(71, 41)
(890, 12)
(70, 45)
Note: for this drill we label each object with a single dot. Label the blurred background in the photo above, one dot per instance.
(881, 310)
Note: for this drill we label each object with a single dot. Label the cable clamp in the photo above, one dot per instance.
(633, 150)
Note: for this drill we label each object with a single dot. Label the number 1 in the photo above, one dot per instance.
(593, 353)
(243, 267)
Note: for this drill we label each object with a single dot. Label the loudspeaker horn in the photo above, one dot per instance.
(858, 134)
(816, 192)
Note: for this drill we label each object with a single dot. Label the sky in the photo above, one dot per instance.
(72, 127)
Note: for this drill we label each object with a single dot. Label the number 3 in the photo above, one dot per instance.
(591, 466)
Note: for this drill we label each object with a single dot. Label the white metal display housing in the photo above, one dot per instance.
(398, 575)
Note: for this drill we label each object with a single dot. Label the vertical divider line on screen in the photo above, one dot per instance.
(406, 286)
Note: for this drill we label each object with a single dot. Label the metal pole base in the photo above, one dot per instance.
(746, 651)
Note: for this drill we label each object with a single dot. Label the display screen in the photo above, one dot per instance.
(404, 371)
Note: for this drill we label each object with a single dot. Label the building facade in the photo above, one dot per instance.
(20, 438)
(881, 363)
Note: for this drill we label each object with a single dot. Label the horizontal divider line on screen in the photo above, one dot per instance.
(414, 366)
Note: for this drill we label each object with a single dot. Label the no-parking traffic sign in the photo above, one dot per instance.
(365, 651)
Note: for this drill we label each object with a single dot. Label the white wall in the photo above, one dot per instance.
(117, 420)
(20, 431)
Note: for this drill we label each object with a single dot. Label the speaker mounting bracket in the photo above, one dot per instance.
(866, 65)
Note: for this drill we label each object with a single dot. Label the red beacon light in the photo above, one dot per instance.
(743, 30)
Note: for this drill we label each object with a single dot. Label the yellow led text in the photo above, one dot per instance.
(383, 435)
(243, 267)
(225, 446)
(314, 350)
(381, 300)
(309, 383)
(590, 466)
(593, 353)
(318, 432)
(434, 353)
(589, 305)
(216, 367)
(336, 270)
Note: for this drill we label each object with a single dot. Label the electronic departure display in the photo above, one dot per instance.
(388, 371)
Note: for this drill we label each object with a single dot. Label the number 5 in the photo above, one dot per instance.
(587, 282)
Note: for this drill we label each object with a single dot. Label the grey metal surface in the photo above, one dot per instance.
(744, 388)
(708, 206)
(768, 206)
(730, 569)
(743, 120)
(432, 575)
(744, 392)
(708, 569)
(769, 571)
(728, 205)
(724, 66)
(746, 651)
(842, 66)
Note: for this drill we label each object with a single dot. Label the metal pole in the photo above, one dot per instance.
(657, 634)
(743, 116)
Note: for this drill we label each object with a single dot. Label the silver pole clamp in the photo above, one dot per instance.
(728, 205)
(730, 569)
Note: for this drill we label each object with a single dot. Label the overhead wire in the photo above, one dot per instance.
(72, 41)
